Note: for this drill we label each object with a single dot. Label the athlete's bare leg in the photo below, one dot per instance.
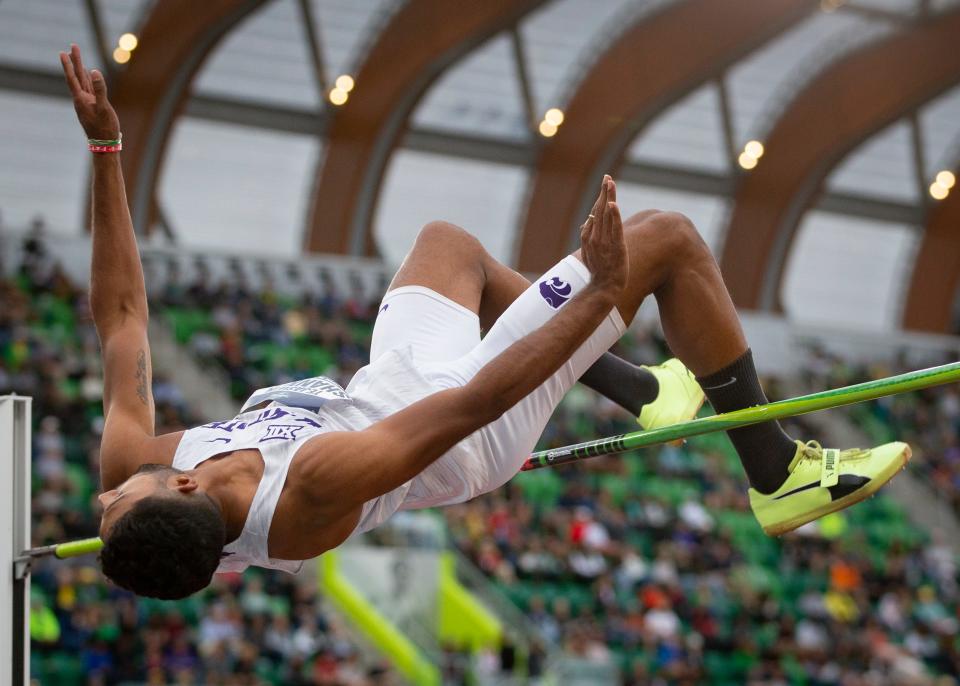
(668, 259)
(450, 261)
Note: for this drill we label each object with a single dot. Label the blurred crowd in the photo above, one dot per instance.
(651, 563)
(654, 563)
(244, 630)
(259, 335)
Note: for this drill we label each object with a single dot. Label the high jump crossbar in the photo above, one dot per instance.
(837, 397)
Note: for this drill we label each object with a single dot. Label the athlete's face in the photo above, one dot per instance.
(149, 480)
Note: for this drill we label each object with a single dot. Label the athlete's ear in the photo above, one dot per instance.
(184, 483)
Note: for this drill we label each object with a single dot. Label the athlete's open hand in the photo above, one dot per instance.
(603, 248)
(89, 90)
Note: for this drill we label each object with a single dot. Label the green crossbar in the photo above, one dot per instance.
(848, 395)
(824, 400)
(86, 546)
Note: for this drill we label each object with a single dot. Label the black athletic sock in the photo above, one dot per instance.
(764, 449)
(629, 386)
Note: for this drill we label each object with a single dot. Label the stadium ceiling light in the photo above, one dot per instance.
(338, 96)
(121, 56)
(554, 116)
(547, 129)
(754, 149)
(938, 192)
(345, 83)
(946, 179)
(747, 161)
(128, 42)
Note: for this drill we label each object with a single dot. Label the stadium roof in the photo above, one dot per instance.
(452, 129)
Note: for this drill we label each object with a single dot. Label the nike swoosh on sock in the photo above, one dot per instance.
(723, 385)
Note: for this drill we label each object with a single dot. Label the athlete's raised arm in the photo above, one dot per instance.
(118, 299)
(351, 468)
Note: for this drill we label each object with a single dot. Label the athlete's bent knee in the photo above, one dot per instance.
(639, 218)
(685, 239)
(449, 236)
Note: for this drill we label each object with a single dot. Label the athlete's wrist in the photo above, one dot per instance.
(602, 293)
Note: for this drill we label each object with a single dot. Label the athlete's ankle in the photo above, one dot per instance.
(764, 449)
(628, 385)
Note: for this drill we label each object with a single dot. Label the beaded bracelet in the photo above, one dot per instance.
(105, 145)
(105, 148)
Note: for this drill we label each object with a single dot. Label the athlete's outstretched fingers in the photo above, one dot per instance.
(82, 75)
(611, 213)
(591, 222)
(99, 87)
(75, 88)
(585, 230)
(604, 249)
(599, 207)
(595, 219)
(614, 225)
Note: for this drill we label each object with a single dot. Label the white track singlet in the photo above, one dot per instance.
(279, 430)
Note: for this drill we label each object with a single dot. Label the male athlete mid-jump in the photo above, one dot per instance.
(439, 415)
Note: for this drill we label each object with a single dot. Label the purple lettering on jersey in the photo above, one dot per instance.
(225, 426)
(288, 432)
(264, 416)
(282, 432)
(269, 415)
(272, 432)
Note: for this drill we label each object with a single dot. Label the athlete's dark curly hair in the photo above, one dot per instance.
(165, 547)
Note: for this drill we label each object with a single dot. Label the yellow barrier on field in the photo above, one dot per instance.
(463, 620)
(400, 650)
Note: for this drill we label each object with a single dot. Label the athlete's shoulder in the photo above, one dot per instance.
(120, 459)
(321, 471)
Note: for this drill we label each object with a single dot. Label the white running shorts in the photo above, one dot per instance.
(444, 338)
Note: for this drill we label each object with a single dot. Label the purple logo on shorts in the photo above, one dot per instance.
(555, 291)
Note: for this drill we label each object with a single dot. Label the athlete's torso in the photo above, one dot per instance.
(275, 433)
(276, 534)
(297, 530)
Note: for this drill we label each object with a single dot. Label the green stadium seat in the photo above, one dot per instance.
(187, 322)
(542, 488)
(62, 669)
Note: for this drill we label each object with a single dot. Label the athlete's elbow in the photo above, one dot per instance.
(484, 404)
(116, 315)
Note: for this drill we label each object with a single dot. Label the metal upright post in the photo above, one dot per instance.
(14, 539)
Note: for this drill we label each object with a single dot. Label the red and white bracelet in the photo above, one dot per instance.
(105, 145)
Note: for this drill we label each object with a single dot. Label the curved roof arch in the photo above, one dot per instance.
(934, 285)
(149, 93)
(600, 120)
(421, 39)
(859, 95)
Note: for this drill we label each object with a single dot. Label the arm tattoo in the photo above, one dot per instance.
(142, 376)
